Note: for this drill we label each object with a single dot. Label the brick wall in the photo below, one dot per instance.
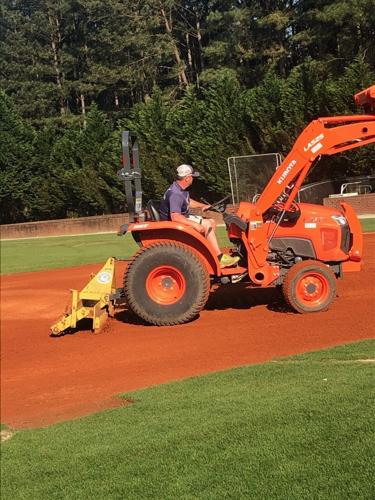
(363, 204)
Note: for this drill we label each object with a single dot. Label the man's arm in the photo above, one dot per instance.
(176, 217)
(197, 204)
(175, 205)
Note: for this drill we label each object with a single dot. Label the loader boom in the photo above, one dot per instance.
(324, 136)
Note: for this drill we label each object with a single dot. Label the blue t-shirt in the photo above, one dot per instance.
(175, 200)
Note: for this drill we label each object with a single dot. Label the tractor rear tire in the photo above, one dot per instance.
(166, 284)
(309, 286)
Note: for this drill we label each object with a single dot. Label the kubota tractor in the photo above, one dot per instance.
(301, 247)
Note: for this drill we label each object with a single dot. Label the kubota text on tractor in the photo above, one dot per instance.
(301, 247)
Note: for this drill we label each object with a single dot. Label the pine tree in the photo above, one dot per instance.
(198, 81)
(16, 153)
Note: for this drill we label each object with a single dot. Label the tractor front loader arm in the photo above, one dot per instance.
(324, 136)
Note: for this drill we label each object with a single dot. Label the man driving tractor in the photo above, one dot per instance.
(176, 204)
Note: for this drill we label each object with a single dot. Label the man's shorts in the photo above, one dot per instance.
(195, 218)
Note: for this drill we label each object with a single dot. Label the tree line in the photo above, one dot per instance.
(197, 80)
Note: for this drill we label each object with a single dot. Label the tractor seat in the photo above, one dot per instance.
(153, 210)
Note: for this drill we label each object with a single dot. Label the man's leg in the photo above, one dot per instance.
(209, 225)
(225, 259)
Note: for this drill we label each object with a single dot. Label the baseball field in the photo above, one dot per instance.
(248, 401)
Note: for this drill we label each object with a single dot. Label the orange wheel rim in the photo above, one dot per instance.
(313, 290)
(165, 285)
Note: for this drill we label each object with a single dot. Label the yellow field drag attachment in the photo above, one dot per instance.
(93, 302)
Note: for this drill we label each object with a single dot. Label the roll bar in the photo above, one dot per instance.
(131, 174)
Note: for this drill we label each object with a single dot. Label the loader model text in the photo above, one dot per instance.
(286, 171)
(314, 145)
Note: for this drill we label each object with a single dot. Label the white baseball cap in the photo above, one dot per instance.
(185, 170)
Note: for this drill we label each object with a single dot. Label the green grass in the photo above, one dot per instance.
(368, 224)
(34, 254)
(296, 428)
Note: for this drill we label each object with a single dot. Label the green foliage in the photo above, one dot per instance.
(16, 153)
(85, 161)
(198, 81)
(208, 128)
(262, 107)
(51, 173)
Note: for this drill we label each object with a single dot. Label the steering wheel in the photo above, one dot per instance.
(217, 206)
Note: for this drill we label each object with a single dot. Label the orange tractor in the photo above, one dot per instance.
(301, 247)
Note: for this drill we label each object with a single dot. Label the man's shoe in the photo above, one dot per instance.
(228, 261)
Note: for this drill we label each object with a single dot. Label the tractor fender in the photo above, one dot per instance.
(148, 233)
(356, 250)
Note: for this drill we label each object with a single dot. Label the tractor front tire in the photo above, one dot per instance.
(166, 284)
(309, 286)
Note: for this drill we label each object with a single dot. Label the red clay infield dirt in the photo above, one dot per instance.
(47, 380)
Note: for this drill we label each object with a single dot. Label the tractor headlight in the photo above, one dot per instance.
(340, 219)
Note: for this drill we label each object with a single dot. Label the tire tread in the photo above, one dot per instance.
(130, 276)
